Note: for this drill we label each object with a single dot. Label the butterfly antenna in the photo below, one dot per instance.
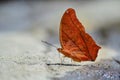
(49, 44)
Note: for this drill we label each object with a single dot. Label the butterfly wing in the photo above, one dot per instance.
(75, 42)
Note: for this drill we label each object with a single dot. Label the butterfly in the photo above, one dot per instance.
(75, 42)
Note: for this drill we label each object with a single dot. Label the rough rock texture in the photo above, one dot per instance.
(23, 57)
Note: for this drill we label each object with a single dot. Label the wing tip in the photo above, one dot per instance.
(70, 10)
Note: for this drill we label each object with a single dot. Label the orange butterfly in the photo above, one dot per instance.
(76, 43)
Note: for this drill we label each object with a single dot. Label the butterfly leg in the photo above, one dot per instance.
(62, 59)
(72, 62)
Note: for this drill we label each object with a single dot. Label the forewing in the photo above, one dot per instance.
(73, 36)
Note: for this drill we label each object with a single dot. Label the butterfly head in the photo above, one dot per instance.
(59, 49)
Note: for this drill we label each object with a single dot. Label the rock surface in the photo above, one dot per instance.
(23, 57)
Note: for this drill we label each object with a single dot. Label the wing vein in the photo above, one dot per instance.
(81, 36)
(72, 40)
